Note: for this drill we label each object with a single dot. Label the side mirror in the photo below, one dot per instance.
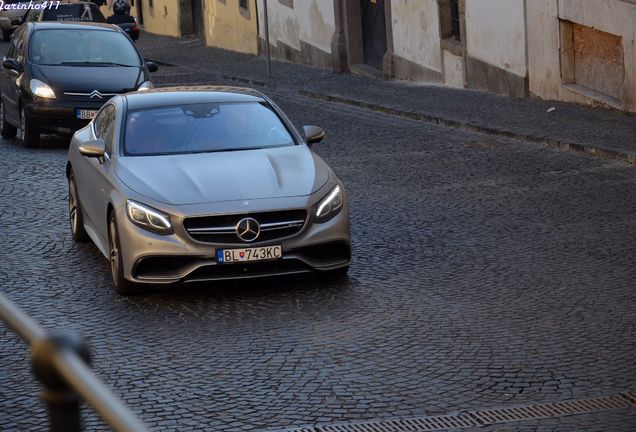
(93, 149)
(152, 66)
(313, 134)
(12, 65)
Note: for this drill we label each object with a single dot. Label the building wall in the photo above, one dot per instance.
(550, 49)
(163, 18)
(416, 39)
(300, 30)
(496, 46)
(227, 27)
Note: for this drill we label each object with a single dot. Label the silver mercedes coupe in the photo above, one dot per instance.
(188, 184)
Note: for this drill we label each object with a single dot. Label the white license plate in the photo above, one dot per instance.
(249, 254)
(86, 114)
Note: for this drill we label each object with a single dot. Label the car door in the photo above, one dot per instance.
(10, 86)
(93, 173)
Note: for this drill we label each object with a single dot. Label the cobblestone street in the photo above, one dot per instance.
(487, 272)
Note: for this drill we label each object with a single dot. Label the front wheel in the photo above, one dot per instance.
(121, 285)
(8, 130)
(29, 133)
(75, 212)
(338, 273)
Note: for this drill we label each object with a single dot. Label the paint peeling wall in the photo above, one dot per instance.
(495, 34)
(546, 20)
(416, 35)
(309, 21)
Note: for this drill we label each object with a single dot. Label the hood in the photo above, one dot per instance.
(225, 176)
(106, 79)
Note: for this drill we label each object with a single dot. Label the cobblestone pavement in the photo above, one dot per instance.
(487, 272)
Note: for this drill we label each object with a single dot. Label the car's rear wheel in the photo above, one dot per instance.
(76, 216)
(121, 285)
(8, 130)
(28, 133)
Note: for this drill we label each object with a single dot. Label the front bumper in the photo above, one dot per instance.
(177, 258)
(60, 115)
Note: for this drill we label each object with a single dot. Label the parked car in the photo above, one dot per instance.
(12, 15)
(56, 76)
(199, 184)
(75, 11)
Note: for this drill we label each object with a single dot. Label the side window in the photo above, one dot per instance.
(105, 126)
(97, 123)
(20, 50)
(109, 128)
(11, 49)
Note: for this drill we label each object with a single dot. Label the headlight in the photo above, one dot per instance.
(146, 85)
(41, 89)
(148, 218)
(329, 206)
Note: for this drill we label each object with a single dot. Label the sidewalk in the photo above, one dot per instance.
(597, 131)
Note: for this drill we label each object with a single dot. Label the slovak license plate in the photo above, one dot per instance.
(85, 114)
(249, 254)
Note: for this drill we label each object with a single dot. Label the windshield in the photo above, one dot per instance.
(73, 12)
(82, 48)
(204, 127)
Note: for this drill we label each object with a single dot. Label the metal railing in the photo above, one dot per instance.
(60, 362)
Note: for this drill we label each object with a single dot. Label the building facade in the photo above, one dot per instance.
(572, 50)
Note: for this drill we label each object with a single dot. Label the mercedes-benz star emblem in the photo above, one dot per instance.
(248, 229)
(95, 94)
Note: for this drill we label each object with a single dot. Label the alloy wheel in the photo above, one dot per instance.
(114, 252)
(72, 204)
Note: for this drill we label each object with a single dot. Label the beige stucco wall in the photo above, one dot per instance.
(311, 21)
(495, 33)
(416, 35)
(617, 17)
(226, 27)
(162, 18)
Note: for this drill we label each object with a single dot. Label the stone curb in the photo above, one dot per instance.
(593, 150)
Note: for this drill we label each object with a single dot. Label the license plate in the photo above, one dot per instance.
(86, 114)
(249, 254)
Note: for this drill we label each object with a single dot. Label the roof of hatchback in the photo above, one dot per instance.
(60, 25)
(191, 94)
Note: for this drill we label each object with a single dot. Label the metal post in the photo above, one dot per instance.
(62, 401)
(269, 58)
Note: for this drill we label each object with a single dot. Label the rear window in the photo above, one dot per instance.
(73, 12)
(204, 128)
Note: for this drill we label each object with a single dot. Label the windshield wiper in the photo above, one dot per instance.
(79, 63)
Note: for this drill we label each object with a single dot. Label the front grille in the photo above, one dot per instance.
(86, 97)
(222, 229)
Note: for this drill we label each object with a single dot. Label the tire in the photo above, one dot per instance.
(28, 133)
(76, 216)
(7, 130)
(338, 273)
(121, 285)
